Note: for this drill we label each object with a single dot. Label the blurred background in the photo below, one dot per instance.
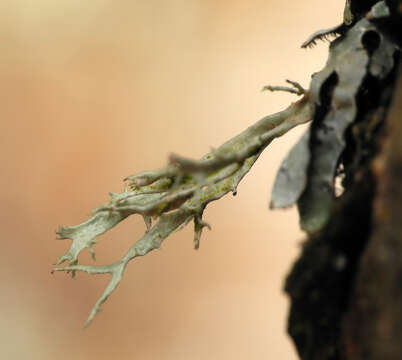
(93, 91)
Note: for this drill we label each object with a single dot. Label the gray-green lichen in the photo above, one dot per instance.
(177, 194)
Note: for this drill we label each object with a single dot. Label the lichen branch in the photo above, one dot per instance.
(177, 194)
(296, 88)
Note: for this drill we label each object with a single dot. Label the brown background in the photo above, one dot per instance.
(92, 91)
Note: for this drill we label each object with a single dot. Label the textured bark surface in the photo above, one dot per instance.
(373, 324)
(346, 287)
(320, 280)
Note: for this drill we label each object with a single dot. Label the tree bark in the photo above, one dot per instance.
(372, 326)
(346, 287)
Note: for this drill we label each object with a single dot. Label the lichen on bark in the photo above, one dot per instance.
(347, 102)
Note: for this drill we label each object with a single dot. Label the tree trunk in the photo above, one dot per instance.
(346, 287)
(373, 323)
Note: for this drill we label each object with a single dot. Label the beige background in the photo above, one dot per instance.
(92, 91)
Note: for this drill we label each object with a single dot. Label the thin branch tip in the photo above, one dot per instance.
(296, 88)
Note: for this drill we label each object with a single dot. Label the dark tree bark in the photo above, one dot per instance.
(346, 287)
(373, 323)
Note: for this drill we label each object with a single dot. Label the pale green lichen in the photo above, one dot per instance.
(177, 194)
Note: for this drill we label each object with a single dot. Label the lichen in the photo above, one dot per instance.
(176, 194)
